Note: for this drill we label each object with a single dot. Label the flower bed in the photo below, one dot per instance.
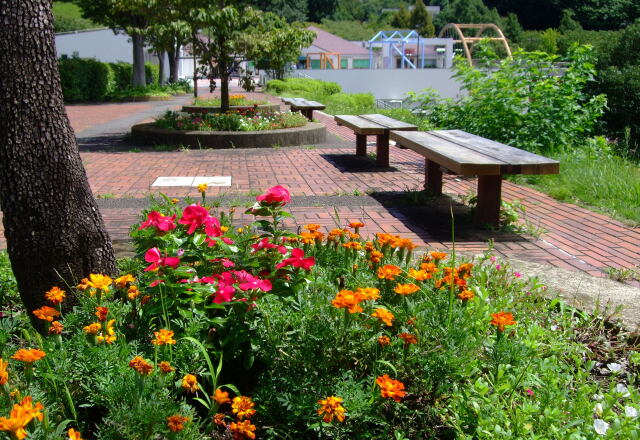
(237, 103)
(232, 121)
(219, 331)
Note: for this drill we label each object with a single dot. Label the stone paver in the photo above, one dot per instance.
(574, 238)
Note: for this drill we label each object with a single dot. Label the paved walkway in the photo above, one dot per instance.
(329, 181)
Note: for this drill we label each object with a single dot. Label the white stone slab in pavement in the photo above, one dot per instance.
(173, 181)
(212, 181)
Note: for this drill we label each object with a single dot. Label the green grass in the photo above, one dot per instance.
(606, 184)
(68, 17)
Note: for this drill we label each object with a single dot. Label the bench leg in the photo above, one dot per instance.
(308, 114)
(488, 208)
(382, 150)
(433, 177)
(361, 144)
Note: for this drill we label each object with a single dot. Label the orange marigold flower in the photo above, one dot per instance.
(55, 296)
(84, 284)
(28, 355)
(242, 430)
(356, 224)
(174, 200)
(352, 245)
(466, 295)
(242, 407)
(346, 299)
(101, 313)
(502, 319)
(100, 282)
(221, 397)
(369, 246)
(312, 227)
(419, 275)
(437, 256)
(176, 422)
(4, 374)
(354, 236)
(331, 407)
(429, 267)
(384, 340)
(165, 367)
(368, 293)
(218, 419)
(405, 243)
(141, 366)
(74, 435)
(122, 281)
(464, 270)
(190, 383)
(389, 272)
(56, 328)
(93, 328)
(202, 188)
(133, 292)
(406, 289)
(383, 315)
(46, 313)
(20, 416)
(376, 256)
(163, 337)
(408, 339)
(335, 233)
(109, 336)
(390, 388)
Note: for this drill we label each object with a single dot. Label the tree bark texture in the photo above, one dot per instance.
(138, 78)
(51, 221)
(161, 74)
(173, 64)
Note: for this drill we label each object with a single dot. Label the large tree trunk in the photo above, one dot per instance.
(174, 59)
(51, 220)
(138, 79)
(161, 74)
(224, 89)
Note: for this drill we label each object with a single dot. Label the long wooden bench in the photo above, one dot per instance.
(303, 106)
(470, 155)
(375, 124)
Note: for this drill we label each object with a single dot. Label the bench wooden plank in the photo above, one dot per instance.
(360, 125)
(518, 161)
(390, 123)
(459, 159)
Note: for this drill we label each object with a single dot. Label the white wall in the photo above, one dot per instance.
(388, 83)
(103, 45)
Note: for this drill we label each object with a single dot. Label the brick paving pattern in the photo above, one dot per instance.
(574, 237)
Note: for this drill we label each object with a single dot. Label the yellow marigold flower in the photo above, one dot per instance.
(175, 201)
(466, 295)
(84, 284)
(121, 282)
(390, 388)
(406, 289)
(408, 339)
(336, 233)
(74, 435)
(176, 422)
(29, 355)
(242, 407)
(383, 315)
(384, 340)
(356, 224)
(224, 229)
(109, 337)
(218, 419)
(331, 407)
(221, 397)
(101, 313)
(100, 282)
(242, 430)
(346, 299)
(141, 366)
(20, 416)
(55, 296)
(376, 256)
(190, 383)
(352, 245)
(163, 337)
(202, 188)
(502, 319)
(46, 313)
(56, 328)
(93, 328)
(419, 275)
(165, 367)
(312, 227)
(133, 292)
(4, 374)
(389, 272)
(368, 293)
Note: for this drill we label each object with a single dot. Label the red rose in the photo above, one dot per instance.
(277, 194)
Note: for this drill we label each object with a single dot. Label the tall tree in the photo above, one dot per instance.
(319, 9)
(52, 224)
(467, 11)
(421, 20)
(402, 18)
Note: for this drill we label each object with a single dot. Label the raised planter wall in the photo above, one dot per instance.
(309, 134)
(207, 109)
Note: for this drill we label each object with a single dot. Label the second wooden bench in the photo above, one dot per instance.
(303, 106)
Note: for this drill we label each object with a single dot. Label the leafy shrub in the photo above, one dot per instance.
(527, 102)
(350, 103)
(245, 120)
(122, 73)
(303, 85)
(85, 79)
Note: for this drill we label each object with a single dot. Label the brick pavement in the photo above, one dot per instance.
(575, 238)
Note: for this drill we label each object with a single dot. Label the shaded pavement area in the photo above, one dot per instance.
(330, 186)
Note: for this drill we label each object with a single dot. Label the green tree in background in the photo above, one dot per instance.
(402, 18)
(319, 9)
(567, 22)
(290, 10)
(467, 11)
(421, 20)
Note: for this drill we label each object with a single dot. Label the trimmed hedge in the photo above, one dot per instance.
(293, 85)
(87, 79)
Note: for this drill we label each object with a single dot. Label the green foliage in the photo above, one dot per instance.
(352, 30)
(402, 18)
(421, 20)
(568, 23)
(466, 11)
(627, 52)
(8, 287)
(245, 120)
(303, 85)
(67, 17)
(290, 10)
(524, 102)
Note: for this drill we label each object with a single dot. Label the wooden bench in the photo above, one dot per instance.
(378, 125)
(303, 106)
(470, 155)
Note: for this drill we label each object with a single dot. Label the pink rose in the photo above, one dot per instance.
(276, 194)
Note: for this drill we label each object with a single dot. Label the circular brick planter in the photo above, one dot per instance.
(208, 109)
(309, 134)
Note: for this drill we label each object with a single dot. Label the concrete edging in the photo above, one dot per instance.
(209, 109)
(309, 134)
